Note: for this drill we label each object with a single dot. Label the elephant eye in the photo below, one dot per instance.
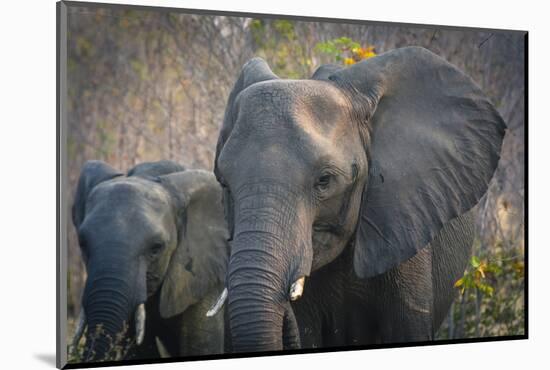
(156, 248)
(354, 171)
(323, 182)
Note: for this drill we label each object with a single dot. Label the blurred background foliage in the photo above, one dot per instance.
(145, 86)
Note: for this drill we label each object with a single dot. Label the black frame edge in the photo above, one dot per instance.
(291, 352)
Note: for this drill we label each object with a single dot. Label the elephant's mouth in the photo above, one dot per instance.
(323, 227)
(328, 240)
(328, 228)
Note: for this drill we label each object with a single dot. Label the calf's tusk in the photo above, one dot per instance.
(218, 305)
(79, 328)
(297, 289)
(140, 323)
(162, 349)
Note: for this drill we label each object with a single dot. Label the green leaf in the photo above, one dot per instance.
(459, 282)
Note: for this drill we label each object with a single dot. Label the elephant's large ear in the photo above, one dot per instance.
(434, 145)
(92, 173)
(254, 71)
(200, 259)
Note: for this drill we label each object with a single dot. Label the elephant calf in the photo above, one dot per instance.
(154, 243)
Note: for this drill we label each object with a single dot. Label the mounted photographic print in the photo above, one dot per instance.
(234, 185)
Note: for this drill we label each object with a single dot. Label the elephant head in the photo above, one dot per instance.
(376, 157)
(157, 230)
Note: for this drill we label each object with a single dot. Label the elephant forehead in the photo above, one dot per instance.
(130, 191)
(301, 104)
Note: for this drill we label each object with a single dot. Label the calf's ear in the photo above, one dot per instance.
(92, 174)
(199, 261)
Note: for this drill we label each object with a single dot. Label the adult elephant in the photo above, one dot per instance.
(358, 183)
(154, 243)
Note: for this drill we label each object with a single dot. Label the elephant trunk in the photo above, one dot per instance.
(113, 307)
(107, 312)
(267, 256)
(256, 308)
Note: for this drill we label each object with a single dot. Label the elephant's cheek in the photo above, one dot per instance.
(153, 284)
(156, 273)
(326, 248)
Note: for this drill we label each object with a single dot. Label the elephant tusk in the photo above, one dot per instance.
(297, 289)
(218, 305)
(79, 328)
(162, 349)
(140, 323)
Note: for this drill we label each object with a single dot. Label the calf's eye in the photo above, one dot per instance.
(156, 249)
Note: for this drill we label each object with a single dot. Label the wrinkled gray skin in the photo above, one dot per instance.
(155, 236)
(361, 179)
